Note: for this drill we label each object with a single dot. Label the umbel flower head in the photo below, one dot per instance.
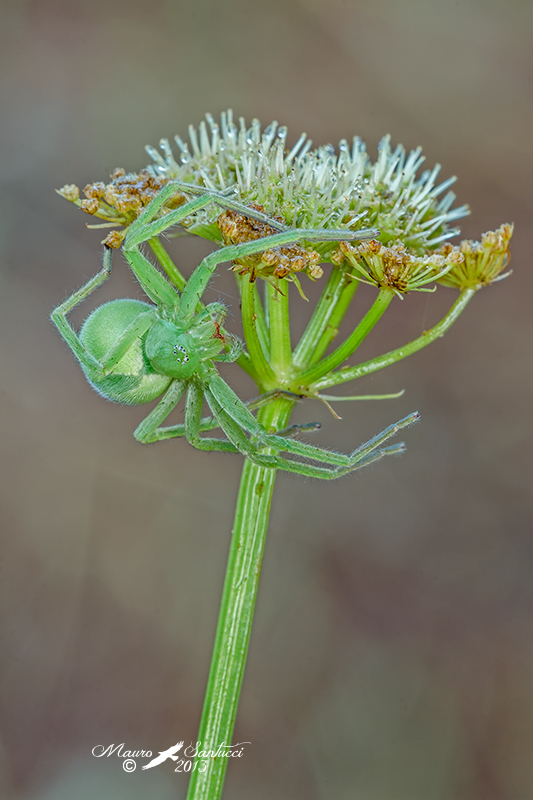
(482, 262)
(315, 188)
(394, 267)
(120, 201)
(310, 188)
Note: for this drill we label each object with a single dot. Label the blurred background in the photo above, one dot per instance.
(391, 657)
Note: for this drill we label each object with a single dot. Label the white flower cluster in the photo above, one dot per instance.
(315, 187)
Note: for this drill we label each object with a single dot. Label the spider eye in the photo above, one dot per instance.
(181, 354)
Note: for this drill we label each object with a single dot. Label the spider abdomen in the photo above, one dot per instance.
(132, 380)
(171, 350)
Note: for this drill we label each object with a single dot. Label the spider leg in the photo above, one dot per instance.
(135, 329)
(158, 289)
(235, 433)
(59, 314)
(329, 474)
(150, 431)
(193, 411)
(225, 201)
(146, 227)
(201, 276)
(325, 473)
(294, 430)
(265, 398)
(236, 409)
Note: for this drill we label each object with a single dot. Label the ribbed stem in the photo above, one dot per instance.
(338, 313)
(265, 375)
(166, 262)
(236, 613)
(319, 319)
(349, 346)
(350, 373)
(280, 332)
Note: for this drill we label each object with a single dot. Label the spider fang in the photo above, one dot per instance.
(217, 334)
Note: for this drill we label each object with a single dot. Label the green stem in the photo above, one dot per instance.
(280, 333)
(265, 374)
(236, 613)
(176, 278)
(261, 323)
(348, 290)
(348, 347)
(323, 324)
(245, 362)
(350, 373)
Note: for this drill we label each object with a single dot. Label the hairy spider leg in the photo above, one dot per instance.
(233, 430)
(146, 222)
(149, 431)
(223, 198)
(193, 412)
(59, 314)
(158, 288)
(59, 317)
(235, 408)
(198, 281)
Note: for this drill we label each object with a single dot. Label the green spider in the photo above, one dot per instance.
(133, 352)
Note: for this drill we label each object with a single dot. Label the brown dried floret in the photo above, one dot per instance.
(278, 262)
(70, 192)
(129, 193)
(114, 239)
(394, 267)
(90, 206)
(94, 191)
(482, 262)
(121, 200)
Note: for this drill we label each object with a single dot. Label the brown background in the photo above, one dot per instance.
(391, 656)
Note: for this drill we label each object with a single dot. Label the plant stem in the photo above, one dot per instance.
(236, 612)
(262, 326)
(265, 374)
(349, 288)
(280, 332)
(346, 349)
(350, 373)
(323, 325)
(176, 278)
